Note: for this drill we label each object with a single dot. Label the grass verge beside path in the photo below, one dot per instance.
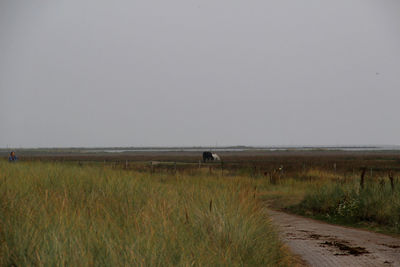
(324, 196)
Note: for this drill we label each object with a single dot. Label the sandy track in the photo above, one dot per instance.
(322, 244)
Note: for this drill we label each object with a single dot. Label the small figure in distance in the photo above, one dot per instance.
(12, 157)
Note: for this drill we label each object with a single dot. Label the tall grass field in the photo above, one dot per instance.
(63, 214)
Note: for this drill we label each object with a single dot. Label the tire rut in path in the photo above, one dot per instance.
(322, 244)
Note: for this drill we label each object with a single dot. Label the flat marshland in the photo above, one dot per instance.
(67, 214)
(74, 209)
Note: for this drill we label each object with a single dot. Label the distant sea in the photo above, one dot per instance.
(239, 149)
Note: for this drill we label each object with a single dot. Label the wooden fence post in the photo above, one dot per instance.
(362, 177)
(391, 178)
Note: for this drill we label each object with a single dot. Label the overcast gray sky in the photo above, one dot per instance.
(197, 72)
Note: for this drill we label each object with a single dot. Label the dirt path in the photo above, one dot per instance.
(322, 244)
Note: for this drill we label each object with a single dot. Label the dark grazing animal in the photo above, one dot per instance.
(207, 156)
